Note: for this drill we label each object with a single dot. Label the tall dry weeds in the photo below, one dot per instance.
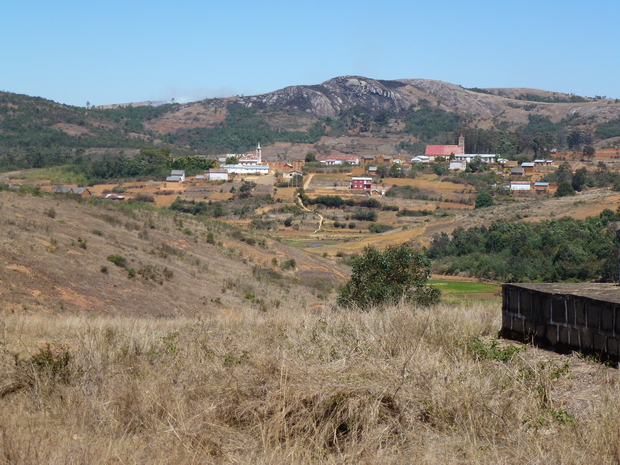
(402, 385)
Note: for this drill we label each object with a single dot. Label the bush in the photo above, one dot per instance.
(564, 189)
(143, 197)
(484, 199)
(118, 260)
(382, 278)
(365, 216)
(289, 264)
(380, 228)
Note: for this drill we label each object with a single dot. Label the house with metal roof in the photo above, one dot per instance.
(528, 167)
(217, 174)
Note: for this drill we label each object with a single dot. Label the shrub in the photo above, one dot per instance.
(365, 215)
(143, 197)
(289, 264)
(564, 189)
(484, 199)
(380, 228)
(381, 278)
(118, 260)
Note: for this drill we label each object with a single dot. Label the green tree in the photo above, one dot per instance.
(580, 178)
(564, 189)
(232, 160)
(310, 157)
(484, 199)
(588, 152)
(383, 278)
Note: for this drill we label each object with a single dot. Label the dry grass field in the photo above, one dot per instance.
(404, 385)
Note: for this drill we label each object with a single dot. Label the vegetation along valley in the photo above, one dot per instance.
(307, 276)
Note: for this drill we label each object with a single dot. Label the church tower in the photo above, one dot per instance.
(462, 144)
(259, 154)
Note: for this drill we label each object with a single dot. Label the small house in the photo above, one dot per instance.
(528, 167)
(217, 174)
(361, 182)
(81, 191)
(291, 174)
(520, 185)
(541, 187)
(178, 174)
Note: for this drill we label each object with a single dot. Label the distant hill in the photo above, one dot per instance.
(393, 113)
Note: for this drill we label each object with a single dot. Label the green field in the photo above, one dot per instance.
(460, 287)
(455, 292)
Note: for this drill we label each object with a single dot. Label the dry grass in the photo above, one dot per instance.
(296, 386)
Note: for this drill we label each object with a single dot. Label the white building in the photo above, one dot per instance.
(217, 174)
(176, 176)
(469, 157)
(457, 166)
(246, 169)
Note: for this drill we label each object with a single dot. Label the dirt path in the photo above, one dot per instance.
(307, 183)
(321, 218)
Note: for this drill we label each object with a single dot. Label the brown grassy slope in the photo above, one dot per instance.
(295, 386)
(53, 257)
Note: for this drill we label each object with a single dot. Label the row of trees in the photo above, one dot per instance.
(555, 250)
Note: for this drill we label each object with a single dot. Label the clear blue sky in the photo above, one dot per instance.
(121, 51)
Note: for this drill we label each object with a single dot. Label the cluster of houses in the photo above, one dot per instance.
(254, 164)
(85, 192)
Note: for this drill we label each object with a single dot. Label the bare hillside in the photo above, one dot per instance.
(59, 255)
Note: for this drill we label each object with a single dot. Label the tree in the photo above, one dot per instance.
(476, 165)
(588, 152)
(232, 160)
(310, 157)
(564, 173)
(543, 143)
(579, 179)
(484, 199)
(564, 189)
(383, 278)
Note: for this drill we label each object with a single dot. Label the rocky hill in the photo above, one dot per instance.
(379, 113)
(489, 106)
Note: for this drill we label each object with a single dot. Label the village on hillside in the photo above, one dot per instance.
(368, 174)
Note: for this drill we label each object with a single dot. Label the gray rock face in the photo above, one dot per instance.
(336, 95)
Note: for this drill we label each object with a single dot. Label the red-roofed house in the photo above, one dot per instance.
(433, 151)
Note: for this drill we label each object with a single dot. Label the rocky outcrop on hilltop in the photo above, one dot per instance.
(509, 108)
(336, 95)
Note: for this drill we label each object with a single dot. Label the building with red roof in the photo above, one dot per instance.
(433, 151)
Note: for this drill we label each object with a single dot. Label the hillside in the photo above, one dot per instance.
(55, 258)
(347, 114)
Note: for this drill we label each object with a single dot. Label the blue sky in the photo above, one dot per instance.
(121, 51)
